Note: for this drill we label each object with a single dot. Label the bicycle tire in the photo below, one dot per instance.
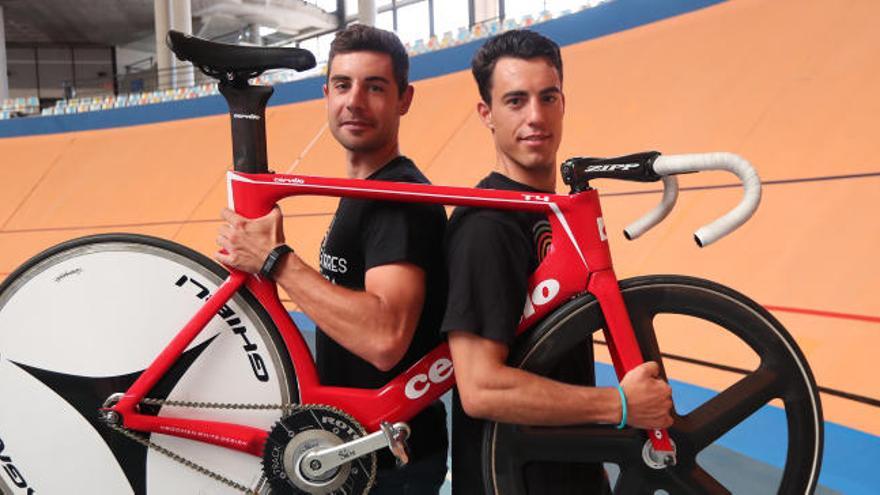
(783, 374)
(81, 321)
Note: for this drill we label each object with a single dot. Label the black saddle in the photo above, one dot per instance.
(233, 62)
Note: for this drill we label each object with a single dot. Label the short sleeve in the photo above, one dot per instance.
(487, 263)
(402, 233)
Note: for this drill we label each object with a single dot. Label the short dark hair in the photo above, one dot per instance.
(360, 37)
(517, 43)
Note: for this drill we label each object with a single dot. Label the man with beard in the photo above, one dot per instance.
(379, 297)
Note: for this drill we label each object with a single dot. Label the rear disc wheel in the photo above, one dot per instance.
(80, 322)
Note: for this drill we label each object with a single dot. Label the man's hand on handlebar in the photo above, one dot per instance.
(648, 397)
(245, 243)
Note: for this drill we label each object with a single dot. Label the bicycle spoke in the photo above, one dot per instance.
(575, 444)
(729, 408)
(642, 317)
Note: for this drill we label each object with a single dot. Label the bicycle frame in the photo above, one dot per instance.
(578, 260)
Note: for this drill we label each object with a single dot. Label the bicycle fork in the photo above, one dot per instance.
(659, 450)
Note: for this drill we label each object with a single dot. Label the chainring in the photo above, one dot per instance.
(307, 428)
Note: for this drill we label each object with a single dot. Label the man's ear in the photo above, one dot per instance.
(324, 88)
(485, 113)
(406, 99)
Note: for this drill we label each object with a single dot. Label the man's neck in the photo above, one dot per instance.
(362, 164)
(542, 178)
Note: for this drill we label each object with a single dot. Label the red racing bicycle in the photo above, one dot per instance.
(162, 358)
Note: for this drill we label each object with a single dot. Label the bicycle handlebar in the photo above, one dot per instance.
(669, 165)
(655, 216)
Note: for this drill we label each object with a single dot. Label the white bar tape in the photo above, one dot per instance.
(676, 164)
(655, 216)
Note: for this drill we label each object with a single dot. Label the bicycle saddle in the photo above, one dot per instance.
(225, 61)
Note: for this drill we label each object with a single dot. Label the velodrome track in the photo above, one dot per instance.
(790, 85)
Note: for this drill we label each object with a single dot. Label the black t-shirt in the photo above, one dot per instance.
(490, 255)
(369, 233)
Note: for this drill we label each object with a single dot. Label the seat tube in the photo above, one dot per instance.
(247, 110)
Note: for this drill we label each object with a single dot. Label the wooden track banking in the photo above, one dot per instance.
(791, 85)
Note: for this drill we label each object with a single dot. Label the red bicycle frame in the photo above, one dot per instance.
(578, 261)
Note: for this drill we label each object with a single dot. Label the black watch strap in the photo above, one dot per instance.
(272, 261)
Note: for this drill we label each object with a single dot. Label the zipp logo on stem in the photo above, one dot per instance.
(622, 167)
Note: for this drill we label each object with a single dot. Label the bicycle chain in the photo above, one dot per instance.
(214, 405)
(191, 464)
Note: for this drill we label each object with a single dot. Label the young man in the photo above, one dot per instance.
(490, 255)
(380, 295)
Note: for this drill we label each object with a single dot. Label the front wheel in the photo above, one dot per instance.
(772, 390)
(81, 321)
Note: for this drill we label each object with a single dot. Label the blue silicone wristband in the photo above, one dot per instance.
(623, 408)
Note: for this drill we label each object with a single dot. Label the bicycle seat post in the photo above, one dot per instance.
(232, 66)
(247, 110)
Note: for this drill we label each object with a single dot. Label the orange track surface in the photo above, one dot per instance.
(790, 85)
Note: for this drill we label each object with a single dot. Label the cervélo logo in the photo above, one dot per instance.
(289, 180)
(543, 293)
(439, 372)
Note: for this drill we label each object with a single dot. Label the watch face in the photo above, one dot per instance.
(272, 260)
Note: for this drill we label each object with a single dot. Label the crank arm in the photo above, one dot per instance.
(316, 464)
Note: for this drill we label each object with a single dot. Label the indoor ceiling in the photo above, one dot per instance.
(120, 22)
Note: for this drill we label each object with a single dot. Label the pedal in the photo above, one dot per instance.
(396, 436)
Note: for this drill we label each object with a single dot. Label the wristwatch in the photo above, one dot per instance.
(272, 261)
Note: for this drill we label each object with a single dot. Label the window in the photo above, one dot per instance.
(351, 7)
(413, 22)
(515, 9)
(325, 5)
(449, 15)
(385, 21)
(319, 46)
